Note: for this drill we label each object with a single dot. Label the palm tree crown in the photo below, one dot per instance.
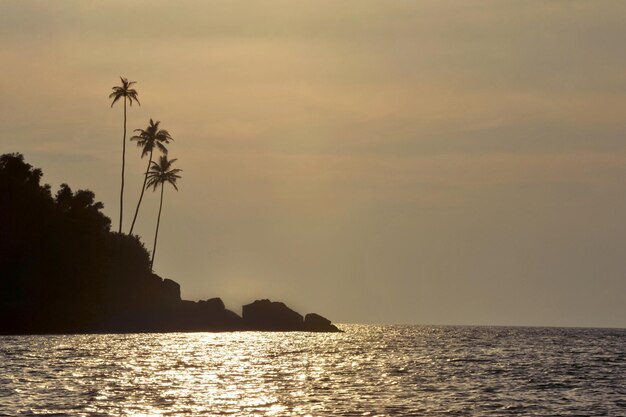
(162, 172)
(159, 174)
(130, 95)
(125, 91)
(152, 137)
(147, 139)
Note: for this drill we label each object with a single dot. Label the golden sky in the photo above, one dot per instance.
(374, 161)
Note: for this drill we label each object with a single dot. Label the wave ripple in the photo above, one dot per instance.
(368, 370)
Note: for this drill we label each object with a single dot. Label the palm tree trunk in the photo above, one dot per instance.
(145, 179)
(156, 235)
(123, 166)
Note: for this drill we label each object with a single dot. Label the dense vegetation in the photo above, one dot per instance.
(60, 265)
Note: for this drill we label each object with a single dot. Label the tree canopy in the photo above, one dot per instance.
(58, 253)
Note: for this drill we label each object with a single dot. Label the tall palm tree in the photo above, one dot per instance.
(148, 139)
(129, 95)
(159, 174)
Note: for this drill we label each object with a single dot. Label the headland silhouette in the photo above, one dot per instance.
(62, 270)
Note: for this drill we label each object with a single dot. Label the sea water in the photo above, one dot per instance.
(368, 370)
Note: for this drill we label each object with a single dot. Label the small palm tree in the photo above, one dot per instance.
(159, 174)
(129, 95)
(148, 139)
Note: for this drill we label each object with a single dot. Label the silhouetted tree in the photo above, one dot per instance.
(61, 268)
(147, 139)
(24, 206)
(63, 271)
(130, 95)
(159, 174)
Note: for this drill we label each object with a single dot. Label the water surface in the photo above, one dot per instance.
(368, 370)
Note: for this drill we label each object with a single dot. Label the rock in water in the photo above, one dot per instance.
(268, 315)
(316, 323)
(216, 317)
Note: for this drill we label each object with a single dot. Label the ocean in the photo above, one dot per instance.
(366, 371)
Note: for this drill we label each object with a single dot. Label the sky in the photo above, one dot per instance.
(431, 162)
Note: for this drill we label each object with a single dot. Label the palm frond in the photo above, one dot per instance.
(164, 135)
(117, 97)
(152, 182)
(132, 96)
(124, 90)
(161, 172)
(161, 147)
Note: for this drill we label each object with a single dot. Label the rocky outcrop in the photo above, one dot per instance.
(200, 316)
(215, 316)
(276, 316)
(316, 323)
(170, 290)
(268, 315)
(212, 305)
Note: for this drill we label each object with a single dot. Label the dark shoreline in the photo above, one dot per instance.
(178, 316)
(63, 271)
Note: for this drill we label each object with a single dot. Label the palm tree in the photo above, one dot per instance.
(129, 95)
(147, 139)
(159, 174)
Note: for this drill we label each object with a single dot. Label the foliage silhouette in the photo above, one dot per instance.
(148, 139)
(129, 94)
(159, 174)
(60, 266)
(62, 270)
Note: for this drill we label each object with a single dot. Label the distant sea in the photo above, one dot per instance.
(368, 370)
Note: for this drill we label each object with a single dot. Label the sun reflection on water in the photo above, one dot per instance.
(369, 370)
(250, 373)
